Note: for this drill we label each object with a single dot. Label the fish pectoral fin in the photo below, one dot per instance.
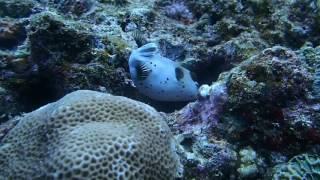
(179, 73)
(139, 38)
(148, 50)
(142, 70)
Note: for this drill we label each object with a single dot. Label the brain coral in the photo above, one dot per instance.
(300, 167)
(90, 135)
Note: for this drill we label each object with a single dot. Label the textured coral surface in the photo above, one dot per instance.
(93, 135)
(303, 166)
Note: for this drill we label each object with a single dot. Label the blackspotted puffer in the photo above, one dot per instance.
(160, 78)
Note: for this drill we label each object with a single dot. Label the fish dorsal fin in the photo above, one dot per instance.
(179, 73)
(148, 50)
(142, 70)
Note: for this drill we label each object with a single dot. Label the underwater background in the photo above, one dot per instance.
(105, 89)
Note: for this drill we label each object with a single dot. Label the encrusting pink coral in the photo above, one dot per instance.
(204, 113)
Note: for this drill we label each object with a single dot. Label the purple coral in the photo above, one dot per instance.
(179, 11)
(204, 113)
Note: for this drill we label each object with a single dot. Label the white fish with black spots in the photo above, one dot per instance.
(160, 78)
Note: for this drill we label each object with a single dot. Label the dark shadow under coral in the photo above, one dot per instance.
(36, 93)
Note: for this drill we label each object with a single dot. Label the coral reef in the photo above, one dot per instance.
(311, 56)
(53, 39)
(261, 89)
(250, 163)
(208, 158)
(8, 106)
(18, 9)
(265, 103)
(258, 62)
(6, 126)
(202, 153)
(220, 35)
(303, 166)
(202, 115)
(76, 7)
(273, 77)
(57, 57)
(90, 134)
(179, 11)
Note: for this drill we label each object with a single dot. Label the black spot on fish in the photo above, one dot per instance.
(193, 76)
(179, 73)
(142, 71)
(167, 79)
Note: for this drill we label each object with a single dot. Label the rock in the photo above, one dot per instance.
(19, 65)
(16, 8)
(12, 33)
(54, 40)
(201, 116)
(249, 163)
(260, 91)
(76, 7)
(208, 158)
(275, 76)
(9, 107)
(311, 56)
